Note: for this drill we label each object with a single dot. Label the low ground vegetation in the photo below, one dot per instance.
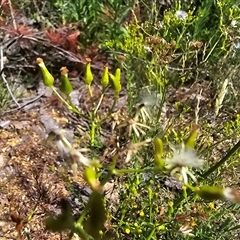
(119, 120)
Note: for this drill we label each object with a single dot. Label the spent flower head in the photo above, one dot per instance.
(147, 100)
(133, 148)
(137, 127)
(181, 15)
(65, 148)
(186, 230)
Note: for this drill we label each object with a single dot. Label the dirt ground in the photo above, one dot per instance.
(30, 178)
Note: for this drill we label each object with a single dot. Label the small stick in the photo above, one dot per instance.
(4, 79)
(12, 15)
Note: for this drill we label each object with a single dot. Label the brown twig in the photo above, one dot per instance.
(12, 15)
(4, 79)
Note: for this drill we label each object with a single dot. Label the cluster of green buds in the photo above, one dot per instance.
(66, 86)
(116, 78)
(48, 79)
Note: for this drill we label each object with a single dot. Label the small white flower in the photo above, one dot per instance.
(185, 158)
(148, 49)
(181, 160)
(234, 23)
(181, 15)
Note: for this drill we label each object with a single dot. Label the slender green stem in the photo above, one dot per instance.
(109, 113)
(63, 101)
(151, 234)
(81, 232)
(110, 172)
(70, 106)
(93, 127)
(90, 90)
(120, 171)
(100, 101)
(83, 215)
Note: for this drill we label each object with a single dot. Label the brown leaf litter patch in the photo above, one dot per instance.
(30, 180)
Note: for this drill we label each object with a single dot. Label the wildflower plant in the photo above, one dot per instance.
(150, 215)
(166, 187)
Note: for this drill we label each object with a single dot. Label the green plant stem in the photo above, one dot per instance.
(100, 101)
(63, 101)
(110, 172)
(81, 218)
(151, 234)
(150, 210)
(109, 113)
(93, 127)
(121, 171)
(69, 106)
(81, 232)
(90, 90)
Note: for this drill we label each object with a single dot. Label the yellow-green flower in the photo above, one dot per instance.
(105, 77)
(66, 86)
(88, 77)
(48, 79)
(116, 80)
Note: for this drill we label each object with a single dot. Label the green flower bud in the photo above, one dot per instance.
(158, 160)
(88, 77)
(158, 144)
(170, 208)
(105, 77)
(190, 141)
(48, 79)
(66, 86)
(91, 178)
(150, 193)
(116, 79)
(211, 193)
